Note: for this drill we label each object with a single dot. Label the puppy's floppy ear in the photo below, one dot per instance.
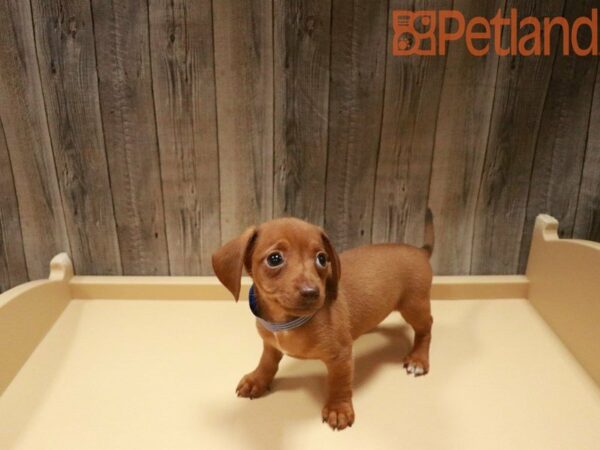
(228, 261)
(331, 284)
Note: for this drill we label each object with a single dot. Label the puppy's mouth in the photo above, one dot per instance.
(298, 309)
(300, 312)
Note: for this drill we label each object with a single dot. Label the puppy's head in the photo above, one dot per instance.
(292, 263)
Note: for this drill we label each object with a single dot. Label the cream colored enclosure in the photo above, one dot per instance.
(91, 362)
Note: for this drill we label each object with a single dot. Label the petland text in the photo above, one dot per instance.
(428, 32)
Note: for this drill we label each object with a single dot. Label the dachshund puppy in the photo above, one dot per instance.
(311, 303)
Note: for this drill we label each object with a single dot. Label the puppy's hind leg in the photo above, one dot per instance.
(417, 312)
(257, 382)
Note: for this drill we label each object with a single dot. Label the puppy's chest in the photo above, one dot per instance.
(292, 344)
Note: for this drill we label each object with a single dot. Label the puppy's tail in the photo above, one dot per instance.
(429, 235)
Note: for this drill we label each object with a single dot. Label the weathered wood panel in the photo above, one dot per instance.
(461, 137)
(521, 89)
(560, 150)
(125, 85)
(23, 116)
(243, 33)
(184, 91)
(587, 217)
(358, 55)
(66, 54)
(13, 269)
(413, 87)
(301, 83)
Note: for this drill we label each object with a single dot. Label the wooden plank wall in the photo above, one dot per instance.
(122, 38)
(64, 38)
(243, 34)
(138, 135)
(460, 143)
(30, 153)
(520, 94)
(302, 50)
(181, 42)
(565, 124)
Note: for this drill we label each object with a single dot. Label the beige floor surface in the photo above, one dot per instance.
(161, 375)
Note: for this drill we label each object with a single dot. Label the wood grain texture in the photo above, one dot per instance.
(358, 55)
(461, 136)
(587, 217)
(301, 78)
(66, 54)
(13, 269)
(24, 119)
(125, 85)
(176, 124)
(521, 89)
(243, 36)
(184, 92)
(413, 87)
(560, 150)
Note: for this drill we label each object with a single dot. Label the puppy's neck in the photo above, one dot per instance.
(270, 312)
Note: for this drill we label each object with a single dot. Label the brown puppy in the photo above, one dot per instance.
(298, 274)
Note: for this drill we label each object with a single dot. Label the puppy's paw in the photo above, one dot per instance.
(338, 415)
(415, 365)
(252, 386)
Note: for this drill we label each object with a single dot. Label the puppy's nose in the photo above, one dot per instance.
(308, 292)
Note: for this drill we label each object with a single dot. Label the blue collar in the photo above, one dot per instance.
(272, 326)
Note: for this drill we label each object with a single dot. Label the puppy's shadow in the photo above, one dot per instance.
(266, 422)
(371, 353)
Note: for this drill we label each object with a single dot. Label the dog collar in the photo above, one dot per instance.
(273, 327)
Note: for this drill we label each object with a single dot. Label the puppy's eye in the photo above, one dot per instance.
(321, 260)
(275, 259)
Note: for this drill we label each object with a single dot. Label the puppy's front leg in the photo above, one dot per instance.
(338, 412)
(256, 383)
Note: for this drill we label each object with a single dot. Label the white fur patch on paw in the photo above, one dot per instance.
(414, 369)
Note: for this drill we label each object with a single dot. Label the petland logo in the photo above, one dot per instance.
(428, 32)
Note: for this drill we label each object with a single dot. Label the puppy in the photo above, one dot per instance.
(311, 303)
